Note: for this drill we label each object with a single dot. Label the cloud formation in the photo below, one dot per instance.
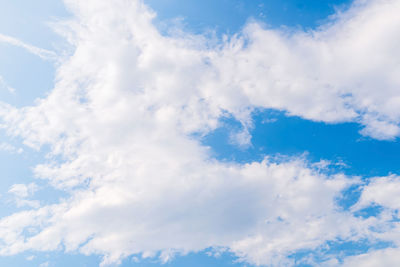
(126, 103)
(22, 193)
(40, 52)
(4, 85)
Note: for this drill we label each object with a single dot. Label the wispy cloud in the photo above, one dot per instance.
(10, 148)
(3, 84)
(22, 192)
(40, 52)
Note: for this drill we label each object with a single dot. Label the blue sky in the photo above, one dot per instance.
(199, 133)
(228, 17)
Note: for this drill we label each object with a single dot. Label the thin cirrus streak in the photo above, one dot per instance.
(4, 85)
(40, 52)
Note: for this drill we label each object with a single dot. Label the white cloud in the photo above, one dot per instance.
(42, 53)
(190, 206)
(21, 194)
(122, 113)
(23, 190)
(10, 148)
(30, 258)
(387, 257)
(382, 191)
(3, 84)
(345, 71)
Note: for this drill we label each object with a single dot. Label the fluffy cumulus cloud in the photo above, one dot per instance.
(128, 102)
(345, 71)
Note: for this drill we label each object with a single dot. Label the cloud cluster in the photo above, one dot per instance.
(347, 70)
(22, 192)
(10, 148)
(127, 102)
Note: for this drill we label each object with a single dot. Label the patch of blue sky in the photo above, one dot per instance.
(274, 133)
(30, 21)
(204, 258)
(63, 259)
(349, 197)
(229, 16)
(17, 168)
(29, 75)
(337, 249)
(50, 259)
(371, 211)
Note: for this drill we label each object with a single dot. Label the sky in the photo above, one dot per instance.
(199, 133)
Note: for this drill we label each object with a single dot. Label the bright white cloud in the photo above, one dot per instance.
(345, 71)
(261, 211)
(382, 191)
(124, 107)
